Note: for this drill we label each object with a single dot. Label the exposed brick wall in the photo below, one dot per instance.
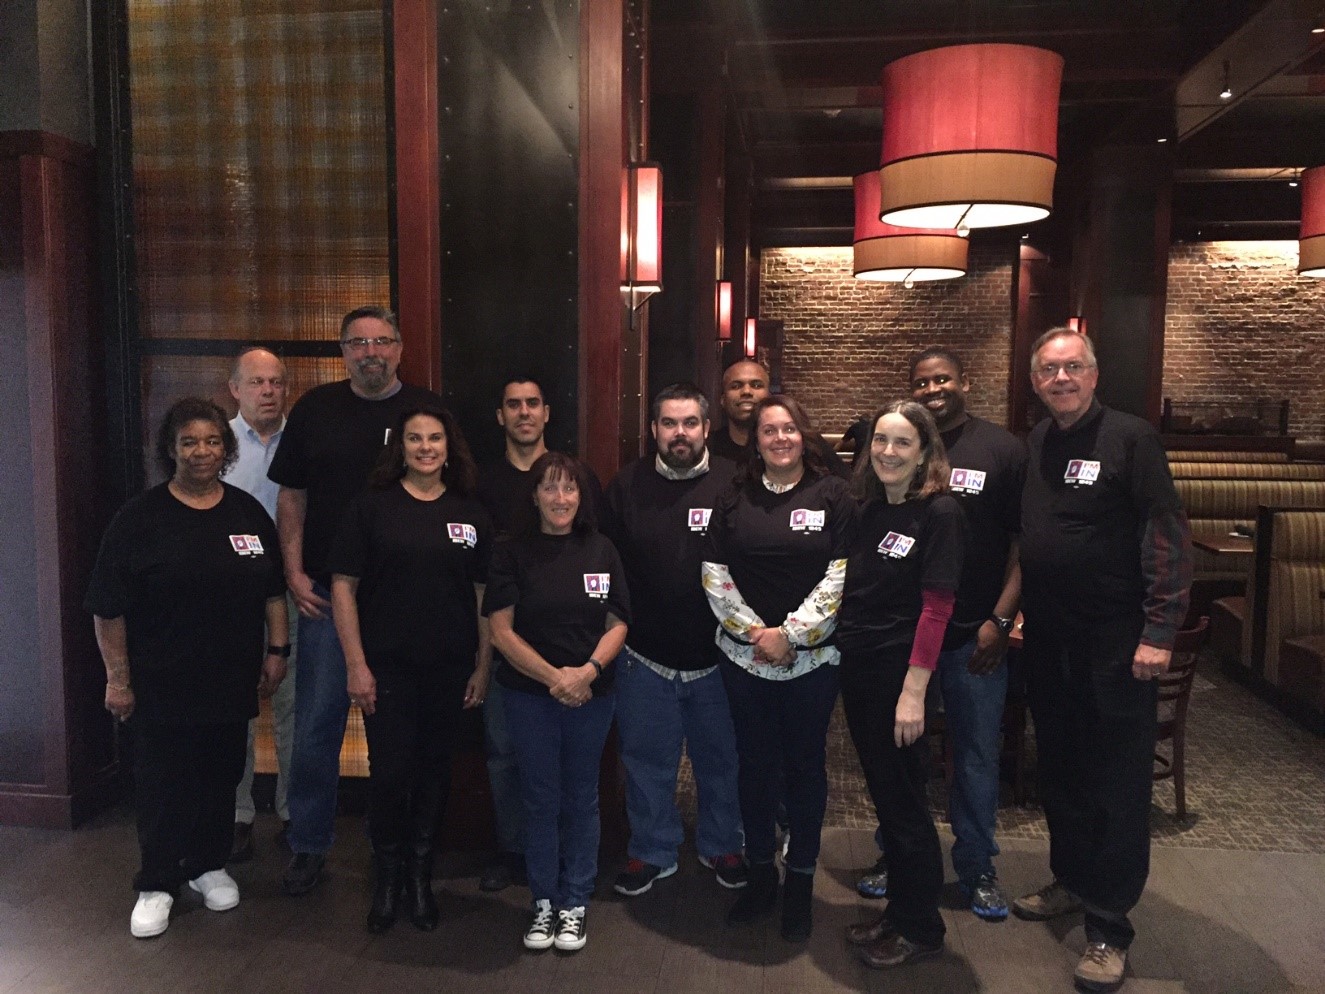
(847, 342)
(1241, 324)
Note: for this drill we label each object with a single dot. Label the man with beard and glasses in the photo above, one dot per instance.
(333, 437)
(506, 491)
(988, 470)
(744, 384)
(669, 690)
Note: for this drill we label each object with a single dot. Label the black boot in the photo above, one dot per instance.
(797, 906)
(419, 900)
(386, 890)
(759, 896)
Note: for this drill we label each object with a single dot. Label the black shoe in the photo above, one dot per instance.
(638, 877)
(304, 873)
(386, 894)
(241, 849)
(797, 906)
(758, 898)
(283, 836)
(419, 898)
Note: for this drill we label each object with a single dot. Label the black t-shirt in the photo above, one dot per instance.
(660, 528)
(192, 586)
(897, 551)
(417, 562)
(562, 588)
(1089, 492)
(778, 546)
(507, 493)
(720, 444)
(332, 440)
(988, 474)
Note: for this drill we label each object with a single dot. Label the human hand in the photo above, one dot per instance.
(476, 690)
(120, 701)
(1149, 662)
(310, 605)
(571, 686)
(362, 686)
(908, 719)
(274, 668)
(773, 648)
(991, 646)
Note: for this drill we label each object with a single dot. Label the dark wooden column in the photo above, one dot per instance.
(57, 757)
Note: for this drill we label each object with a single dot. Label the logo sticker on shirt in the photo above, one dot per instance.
(1082, 472)
(967, 481)
(462, 534)
(896, 545)
(596, 585)
(246, 545)
(699, 518)
(803, 520)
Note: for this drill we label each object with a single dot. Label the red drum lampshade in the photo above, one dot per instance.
(1311, 237)
(890, 254)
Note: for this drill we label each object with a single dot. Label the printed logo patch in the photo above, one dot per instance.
(246, 545)
(967, 481)
(462, 534)
(1082, 472)
(596, 585)
(803, 520)
(699, 518)
(896, 545)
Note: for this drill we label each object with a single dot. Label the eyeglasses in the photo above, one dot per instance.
(359, 344)
(1050, 369)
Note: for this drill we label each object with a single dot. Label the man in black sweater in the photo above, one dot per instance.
(669, 690)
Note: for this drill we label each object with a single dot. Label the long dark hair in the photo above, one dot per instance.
(931, 476)
(556, 466)
(459, 473)
(183, 411)
(812, 443)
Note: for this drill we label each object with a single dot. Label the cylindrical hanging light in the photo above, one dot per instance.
(751, 337)
(1311, 236)
(970, 136)
(890, 254)
(723, 310)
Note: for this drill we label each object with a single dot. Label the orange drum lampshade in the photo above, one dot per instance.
(1311, 237)
(970, 136)
(890, 254)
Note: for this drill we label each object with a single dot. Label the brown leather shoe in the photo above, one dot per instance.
(894, 949)
(1102, 968)
(867, 933)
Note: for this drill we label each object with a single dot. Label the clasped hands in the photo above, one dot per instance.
(571, 686)
(772, 647)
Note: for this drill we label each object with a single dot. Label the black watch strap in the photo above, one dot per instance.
(1004, 624)
(279, 650)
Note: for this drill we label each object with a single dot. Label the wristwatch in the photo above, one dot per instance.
(1004, 624)
(279, 650)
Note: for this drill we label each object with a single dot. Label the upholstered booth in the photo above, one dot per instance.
(1247, 470)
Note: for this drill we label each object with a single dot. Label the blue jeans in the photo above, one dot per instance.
(781, 738)
(654, 716)
(503, 767)
(560, 750)
(321, 706)
(973, 710)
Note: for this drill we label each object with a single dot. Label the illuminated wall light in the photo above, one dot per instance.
(641, 232)
(723, 310)
(751, 336)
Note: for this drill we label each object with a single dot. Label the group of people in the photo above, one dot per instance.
(717, 598)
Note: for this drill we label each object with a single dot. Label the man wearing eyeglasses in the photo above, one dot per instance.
(1106, 566)
(334, 436)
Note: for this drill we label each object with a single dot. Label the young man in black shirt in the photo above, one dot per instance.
(333, 438)
(1106, 566)
(669, 690)
(988, 471)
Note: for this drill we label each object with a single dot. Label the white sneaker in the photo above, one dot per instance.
(539, 933)
(218, 889)
(151, 914)
(570, 929)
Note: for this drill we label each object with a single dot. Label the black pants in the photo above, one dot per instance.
(1095, 730)
(871, 685)
(410, 738)
(184, 788)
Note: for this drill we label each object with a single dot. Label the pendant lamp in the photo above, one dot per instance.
(970, 136)
(890, 254)
(1311, 237)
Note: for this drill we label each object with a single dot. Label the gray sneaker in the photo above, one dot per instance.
(1051, 901)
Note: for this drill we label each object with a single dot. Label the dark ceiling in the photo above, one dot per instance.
(805, 100)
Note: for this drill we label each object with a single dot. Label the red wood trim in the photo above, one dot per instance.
(47, 145)
(418, 193)
(602, 157)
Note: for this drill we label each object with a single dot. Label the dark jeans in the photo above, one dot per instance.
(781, 738)
(410, 737)
(184, 790)
(1095, 745)
(871, 685)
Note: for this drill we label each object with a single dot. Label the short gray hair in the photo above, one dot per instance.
(1062, 332)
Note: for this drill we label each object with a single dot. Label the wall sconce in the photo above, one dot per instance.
(641, 232)
(723, 310)
(751, 336)
(1077, 324)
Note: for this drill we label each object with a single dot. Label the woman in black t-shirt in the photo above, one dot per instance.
(187, 576)
(407, 563)
(773, 577)
(901, 581)
(558, 606)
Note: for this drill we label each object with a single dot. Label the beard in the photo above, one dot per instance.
(682, 455)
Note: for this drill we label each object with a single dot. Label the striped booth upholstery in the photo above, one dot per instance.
(1296, 576)
(1200, 455)
(1247, 470)
(1218, 505)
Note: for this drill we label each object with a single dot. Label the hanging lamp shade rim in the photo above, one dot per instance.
(901, 257)
(1311, 256)
(868, 225)
(933, 191)
(1313, 203)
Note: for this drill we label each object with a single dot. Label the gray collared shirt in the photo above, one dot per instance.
(249, 473)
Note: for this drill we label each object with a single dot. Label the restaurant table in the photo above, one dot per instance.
(1222, 543)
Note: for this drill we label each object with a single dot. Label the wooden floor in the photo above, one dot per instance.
(1210, 922)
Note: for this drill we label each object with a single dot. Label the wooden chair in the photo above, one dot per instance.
(1175, 689)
